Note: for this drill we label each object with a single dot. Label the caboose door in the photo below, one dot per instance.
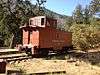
(34, 40)
(30, 37)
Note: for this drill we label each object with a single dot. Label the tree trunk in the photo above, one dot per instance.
(12, 41)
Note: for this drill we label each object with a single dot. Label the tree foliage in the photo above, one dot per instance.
(39, 8)
(95, 7)
(14, 13)
(78, 14)
(85, 36)
(86, 15)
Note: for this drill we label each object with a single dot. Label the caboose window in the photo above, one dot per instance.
(42, 21)
(31, 22)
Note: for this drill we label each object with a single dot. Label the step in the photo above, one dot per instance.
(13, 55)
(8, 51)
(20, 58)
(2, 74)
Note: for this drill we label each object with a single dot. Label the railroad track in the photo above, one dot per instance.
(50, 73)
(12, 55)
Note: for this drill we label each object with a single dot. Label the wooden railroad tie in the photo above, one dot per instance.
(45, 73)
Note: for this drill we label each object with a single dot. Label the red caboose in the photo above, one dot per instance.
(43, 37)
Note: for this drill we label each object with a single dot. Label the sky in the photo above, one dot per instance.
(64, 7)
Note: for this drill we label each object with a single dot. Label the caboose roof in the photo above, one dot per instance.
(28, 26)
(43, 17)
(37, 17)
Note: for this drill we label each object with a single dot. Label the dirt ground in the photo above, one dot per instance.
(72, 66)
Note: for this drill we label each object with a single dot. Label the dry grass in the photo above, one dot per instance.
(71, 68)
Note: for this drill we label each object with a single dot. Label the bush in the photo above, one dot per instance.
(85, 36)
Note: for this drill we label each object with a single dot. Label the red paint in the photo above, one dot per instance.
(50, 37)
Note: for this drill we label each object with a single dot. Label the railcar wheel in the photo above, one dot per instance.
(28, 51)
(44, 52)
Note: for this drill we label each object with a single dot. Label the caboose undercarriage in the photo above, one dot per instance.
(44, 51)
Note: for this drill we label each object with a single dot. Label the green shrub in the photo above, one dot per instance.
(85, 36)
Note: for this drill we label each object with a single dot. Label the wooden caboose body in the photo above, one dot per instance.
(42, 36)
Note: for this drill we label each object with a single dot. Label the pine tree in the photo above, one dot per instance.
(86, 15)
(40, 7)
(95, 7)
(78, 14)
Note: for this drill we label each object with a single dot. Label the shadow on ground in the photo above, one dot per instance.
(91, 57)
